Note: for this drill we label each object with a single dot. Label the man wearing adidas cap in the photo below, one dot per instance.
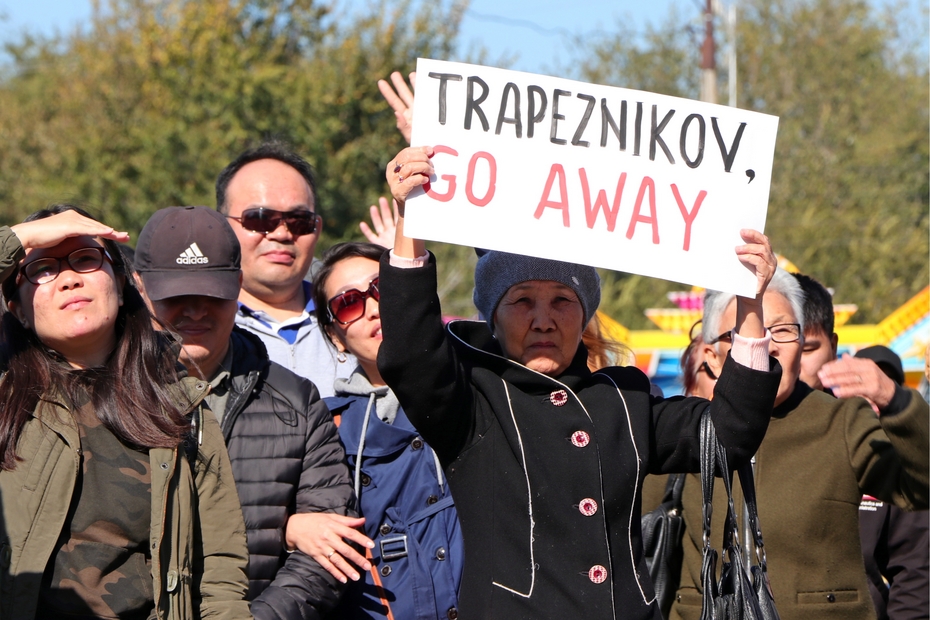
(282, 443)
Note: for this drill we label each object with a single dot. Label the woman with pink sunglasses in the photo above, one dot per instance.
(414, 561)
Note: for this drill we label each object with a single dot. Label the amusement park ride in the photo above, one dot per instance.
(906, 331)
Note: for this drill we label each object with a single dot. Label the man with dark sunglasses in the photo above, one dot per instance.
(268, 195)
(283, 445)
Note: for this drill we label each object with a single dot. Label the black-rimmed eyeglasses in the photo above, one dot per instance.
(83, 260)
(782, 333)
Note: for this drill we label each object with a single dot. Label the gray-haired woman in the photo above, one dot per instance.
(546, 459)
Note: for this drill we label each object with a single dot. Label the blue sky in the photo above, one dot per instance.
(531, 34)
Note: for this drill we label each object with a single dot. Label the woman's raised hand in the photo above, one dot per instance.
(409, 169)
(51, 231)
(401, 101)
(756, 254)
(384, 222)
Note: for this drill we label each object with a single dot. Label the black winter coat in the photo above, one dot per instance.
(547, 471)
(286, 458)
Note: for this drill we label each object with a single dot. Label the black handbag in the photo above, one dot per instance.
(741, 593)
(662, 531)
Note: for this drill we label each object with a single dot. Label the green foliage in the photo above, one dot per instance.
(849, 201)
(144, 108)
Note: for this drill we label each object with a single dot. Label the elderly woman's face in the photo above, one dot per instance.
(777, 310)
(74, 314)
(539, 324)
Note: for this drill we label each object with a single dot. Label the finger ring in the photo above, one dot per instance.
(400, 179)
(396, 167)
(330, 554)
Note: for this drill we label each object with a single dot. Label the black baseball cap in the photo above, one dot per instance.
(887, 360)
(188, 251)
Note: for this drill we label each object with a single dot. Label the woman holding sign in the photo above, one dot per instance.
(546, 459)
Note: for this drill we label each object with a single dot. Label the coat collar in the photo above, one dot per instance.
(475, 344)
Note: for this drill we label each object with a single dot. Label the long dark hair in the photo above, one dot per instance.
(333, 256)
(131, 393)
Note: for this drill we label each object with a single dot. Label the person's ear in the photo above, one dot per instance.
(16, 309)
(336, 338)
(712, 359)
(834, 342)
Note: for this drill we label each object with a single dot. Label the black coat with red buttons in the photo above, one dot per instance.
(547, 472)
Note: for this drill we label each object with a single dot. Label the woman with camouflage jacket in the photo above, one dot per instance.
(116, 492)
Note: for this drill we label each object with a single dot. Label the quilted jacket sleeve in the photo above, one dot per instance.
(302, 589)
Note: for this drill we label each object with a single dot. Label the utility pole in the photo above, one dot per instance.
(708, 62)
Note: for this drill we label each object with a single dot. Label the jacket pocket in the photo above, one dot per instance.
(41, 459)
(828, 596)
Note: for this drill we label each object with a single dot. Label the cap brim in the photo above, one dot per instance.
(161, 285)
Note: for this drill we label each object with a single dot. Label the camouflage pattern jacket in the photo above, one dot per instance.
(197, 536)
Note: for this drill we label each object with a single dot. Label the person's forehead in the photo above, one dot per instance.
(777, 308)
(64, 248)
(355, 272)
(269, 181)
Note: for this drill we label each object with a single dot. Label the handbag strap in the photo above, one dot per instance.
(747, 482)
(708, 465)
(673, 491)
(713, 462)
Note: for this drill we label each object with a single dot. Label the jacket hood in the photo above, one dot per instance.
(381, 439)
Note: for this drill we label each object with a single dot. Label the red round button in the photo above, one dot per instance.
(580, 439)
(558, 397)
(597, 574)
(587, 507)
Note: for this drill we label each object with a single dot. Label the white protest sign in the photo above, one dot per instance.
(610, 177)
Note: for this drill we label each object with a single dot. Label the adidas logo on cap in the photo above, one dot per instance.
(192, 256)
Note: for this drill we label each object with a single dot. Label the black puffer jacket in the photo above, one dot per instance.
(286, 458)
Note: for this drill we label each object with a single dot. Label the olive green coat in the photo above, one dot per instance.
(199, 555)
(819, 455)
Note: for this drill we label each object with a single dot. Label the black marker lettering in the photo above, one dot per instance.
(702, 128)
(472, 104)
(728, 157)
(556, 117)
(656, 137)
(443, 79)
(576, 139)
(638, 129)
(531, 115)
(608, 121)
(510, 87)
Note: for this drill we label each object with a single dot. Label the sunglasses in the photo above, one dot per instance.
(84, 260)
(348, 307)
(264, 221)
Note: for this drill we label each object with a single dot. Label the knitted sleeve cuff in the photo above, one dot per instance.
(751, 352)
(409, 263)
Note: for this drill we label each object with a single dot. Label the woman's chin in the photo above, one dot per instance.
(546, 366)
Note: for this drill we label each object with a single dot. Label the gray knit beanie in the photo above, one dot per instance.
(496, 272)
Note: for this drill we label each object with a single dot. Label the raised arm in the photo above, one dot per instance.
(416, 358)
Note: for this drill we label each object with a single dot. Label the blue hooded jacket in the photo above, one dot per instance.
(408, 510)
